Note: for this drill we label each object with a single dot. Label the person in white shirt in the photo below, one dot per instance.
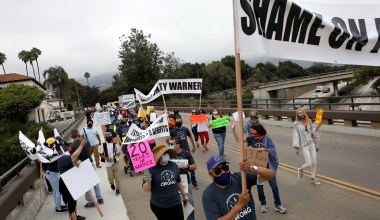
(110, 152)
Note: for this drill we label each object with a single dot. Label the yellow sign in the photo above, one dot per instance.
(141, 114)
(149, 107)
(318, 117)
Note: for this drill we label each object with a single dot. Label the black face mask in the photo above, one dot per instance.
(122, 123)
(129, 122)
(89, 125)
(178, 124)
(109, 140)
(301, 117)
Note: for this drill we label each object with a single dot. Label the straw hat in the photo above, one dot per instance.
(159, 150)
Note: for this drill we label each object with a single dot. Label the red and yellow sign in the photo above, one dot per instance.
(198, 118)
(318, 117)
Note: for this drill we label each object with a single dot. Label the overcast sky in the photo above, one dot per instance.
(83, 35)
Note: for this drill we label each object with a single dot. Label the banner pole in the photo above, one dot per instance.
(163, 98)
(96, 203)
(200, 101)
(41, 184)
(240, 105)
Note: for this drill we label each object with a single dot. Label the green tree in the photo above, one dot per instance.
(58, 79)
(141, 65)
(87, 75)
(31, 59)
(218, 77)
(35, 53)
(91, 96)
(3, 58)
(288, 69)
(366, 73)
(171, 63)
(17, 100)
(246, 69)
(24, 56)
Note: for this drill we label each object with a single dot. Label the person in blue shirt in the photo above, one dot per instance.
(224, 197)
(253, 119)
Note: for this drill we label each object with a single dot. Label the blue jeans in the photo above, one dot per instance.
(192, 177)
(276, 193)
(97, 192)
(53, 178)
(220, 138)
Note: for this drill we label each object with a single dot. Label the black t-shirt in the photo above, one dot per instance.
(64, 163)
(85, 153)
(52, 167)
(251, 142)
(122, 130)
(164, 185)
(183, 133)
(109, 128)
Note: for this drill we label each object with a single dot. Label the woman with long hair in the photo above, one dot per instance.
(219, 133)
(305, 138)
(202, 129)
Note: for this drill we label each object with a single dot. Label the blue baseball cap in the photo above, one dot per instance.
(214, 161)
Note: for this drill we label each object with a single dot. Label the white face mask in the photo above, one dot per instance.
(165, 158)
(215, 112)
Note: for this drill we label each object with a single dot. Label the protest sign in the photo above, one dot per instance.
(187, 209)
(236, 117)
(128, 101)
(198, 118)
(332, 32)
(220, 122)
(141, 156)
(102, 118)
(255, 157)
(184, 182)
(171, 86)
(28, 146)
(79, 180)
(153, 116)
(149, 107)
(98, 107)
(158, 128)
(318, 116)
(180, 162)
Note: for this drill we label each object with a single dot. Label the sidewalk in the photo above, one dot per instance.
(113, 207)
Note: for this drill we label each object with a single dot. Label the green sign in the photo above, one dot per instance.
(220, 122)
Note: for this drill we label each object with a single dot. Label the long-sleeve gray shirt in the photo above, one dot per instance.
(303, 135)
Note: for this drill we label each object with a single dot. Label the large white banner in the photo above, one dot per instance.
(171, 86)
(332, 32)
(80, 179)
(102, 118)
(159, 128)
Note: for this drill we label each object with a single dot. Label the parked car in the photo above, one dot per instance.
(355, 108)
(326, 89)
(318, 89)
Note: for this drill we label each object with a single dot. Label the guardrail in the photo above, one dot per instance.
(23, 176)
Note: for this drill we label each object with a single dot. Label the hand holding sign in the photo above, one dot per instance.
(220, 122)
(318, 117)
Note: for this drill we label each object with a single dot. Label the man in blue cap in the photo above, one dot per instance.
(224, 197)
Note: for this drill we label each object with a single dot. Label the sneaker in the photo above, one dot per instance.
(264, 208)
(315, 181)
(100, 201)
(63, 207)
(117, 192)
(300, 173)
(62, 210)
(113, 186)
(195, 185)
(89, 205)
(280, 209)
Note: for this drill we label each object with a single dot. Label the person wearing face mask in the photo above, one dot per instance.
(253, 119)
(202, 129)
(121, 132)
(305, 138)
(219, 133)
(164, 184)
(183, 133)
(224, 197)
(262, 142)
(110, 153)
(91, 133)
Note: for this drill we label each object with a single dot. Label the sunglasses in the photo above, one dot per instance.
(224, 167)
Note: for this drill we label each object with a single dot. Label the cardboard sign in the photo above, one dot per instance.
(220, 122)
(141, 156)
(318, 117)
(255, 157)
(80, 179)
(102, 118)
(198, 118)
(180, 161)
(235, 116)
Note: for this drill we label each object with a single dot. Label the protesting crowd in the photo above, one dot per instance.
(169, 169)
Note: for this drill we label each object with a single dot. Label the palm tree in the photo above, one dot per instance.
(35, 54)
(3, 58)
(31, 59)
(58, 79)
(87, 75)
(23, 55)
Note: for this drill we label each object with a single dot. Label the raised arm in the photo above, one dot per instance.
(235, 134)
